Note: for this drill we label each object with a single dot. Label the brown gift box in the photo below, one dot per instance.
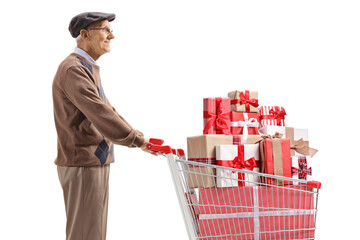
(241, 107)
(202, 149)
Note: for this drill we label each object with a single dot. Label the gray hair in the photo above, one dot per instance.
(78, 38)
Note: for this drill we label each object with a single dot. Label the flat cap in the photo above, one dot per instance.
(83, 20)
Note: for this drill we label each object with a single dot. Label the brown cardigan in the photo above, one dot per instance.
(86, 123)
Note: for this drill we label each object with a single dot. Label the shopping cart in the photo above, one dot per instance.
(272, 207)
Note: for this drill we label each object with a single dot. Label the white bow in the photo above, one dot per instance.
(252, 122)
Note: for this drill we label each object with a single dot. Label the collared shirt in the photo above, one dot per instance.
(85, 55)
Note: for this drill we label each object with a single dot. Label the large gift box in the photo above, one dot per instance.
(272, 115)
(202, 149)
(244, 123)
(301, 168)
(244, 157)
(275, 159)
(216, 115)
(244, 101)
(257, 212)
(299, 139)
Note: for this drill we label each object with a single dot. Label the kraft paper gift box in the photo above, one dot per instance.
(299, 139)
(272, 115)
(244, 101)
(244, 157)
(202, 149)
(257, 212)
(301, 168)
(216, 116)
(275, 159)
(244, 123)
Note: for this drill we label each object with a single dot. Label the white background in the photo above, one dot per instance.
(166, 57)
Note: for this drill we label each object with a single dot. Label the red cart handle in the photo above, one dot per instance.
(155, 145)
(314, 184)
(156, 141)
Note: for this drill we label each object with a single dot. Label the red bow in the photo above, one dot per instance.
(245, 99)
(240, 163)
(218, 120)
(278, 114)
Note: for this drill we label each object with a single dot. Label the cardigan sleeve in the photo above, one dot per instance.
(82, 92)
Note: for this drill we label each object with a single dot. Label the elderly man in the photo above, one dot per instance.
(87, 127)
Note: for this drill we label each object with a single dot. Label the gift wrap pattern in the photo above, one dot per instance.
(216, 115)
(301, 168)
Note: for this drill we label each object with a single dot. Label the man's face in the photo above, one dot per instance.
(99, 39)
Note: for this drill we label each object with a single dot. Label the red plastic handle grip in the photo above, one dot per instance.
(158, 148)
(155, 145)
(156, 141)
(181, 152)
(313, 184)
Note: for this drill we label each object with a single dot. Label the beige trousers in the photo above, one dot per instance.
(86, 194)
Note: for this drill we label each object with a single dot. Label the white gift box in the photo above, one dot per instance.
(225, 155)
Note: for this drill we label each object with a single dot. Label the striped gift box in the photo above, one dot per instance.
(272, 115)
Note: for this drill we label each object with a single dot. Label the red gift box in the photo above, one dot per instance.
(244, 123)
(256, 213)
(276, 159)
(216, 116)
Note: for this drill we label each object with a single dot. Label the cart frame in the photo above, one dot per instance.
(178, 166)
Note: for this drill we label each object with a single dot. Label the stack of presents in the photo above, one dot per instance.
(240, 134)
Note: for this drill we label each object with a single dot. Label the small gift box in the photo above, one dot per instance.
(299, 139)
(244, 123)
(244, 101)
(244, 157)
(202, 149)
(272, 115)
(257, 212)
(275, 159)
(301, 168)
(216, 116)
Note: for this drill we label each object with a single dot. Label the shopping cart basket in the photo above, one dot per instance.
(259, 206)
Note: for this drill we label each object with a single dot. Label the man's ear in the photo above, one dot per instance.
(84, 34)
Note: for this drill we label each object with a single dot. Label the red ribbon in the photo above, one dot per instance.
(245, 99)
(277, 113)
(217, 119)
(239, 162)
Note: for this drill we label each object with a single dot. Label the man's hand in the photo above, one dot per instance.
(143, 147)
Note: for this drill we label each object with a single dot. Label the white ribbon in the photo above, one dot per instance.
(292, 212)
(252, 122)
